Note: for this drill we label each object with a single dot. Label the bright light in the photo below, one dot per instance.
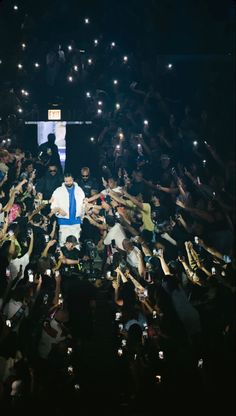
(169, 66)
(90, 61)
(70, 78)
(20, 110)
(100, 103)
(92, 139)
(99, 111)
(0, 61)
(195, 143)
(15, 7)
(69, 48)
(76, 68)
(26, 93)
(115, 82)
(121, 136)
(204, 162)
(95, 42)
(117, 146)
(22, 92)
(23, 45)
(20, 66)
(117, 106)
(36, 65)
(113, 44)
(88, 95)
(145, 122)
(125, 58)
(86, 20)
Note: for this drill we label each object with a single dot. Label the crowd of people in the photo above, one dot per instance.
(151, 239)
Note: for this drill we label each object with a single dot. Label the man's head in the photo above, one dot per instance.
(28, 166)
(127, 245)
(52, 169)
(85, 172)
(37, 219)
(51, 138)
(71, 242)
(68, 180)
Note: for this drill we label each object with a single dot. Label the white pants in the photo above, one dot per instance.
(66, 230)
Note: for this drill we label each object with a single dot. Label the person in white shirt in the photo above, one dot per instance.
(134, 256)
(116, 232)
(20, 262)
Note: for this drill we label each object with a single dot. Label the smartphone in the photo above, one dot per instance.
(196, 239)
(48, 272)
(69, 350)
(118, 316)
(31, 276)
(161, 355)
(158, 378)
(8, 323)
(200, 363)
(120, 352)
(46, 238)
(213, 270)
(123, 342)
(70, 370)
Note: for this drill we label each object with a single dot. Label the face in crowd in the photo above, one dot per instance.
(68, 181)
(52, 170)
(85, 174)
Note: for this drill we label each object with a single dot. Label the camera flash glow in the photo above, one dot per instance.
(75, 68)
(88, 94)
(117, 106)
(115, 82)
(158, 378)
(95, 42)
(70, 78)
(23, 45)
(169, 66)
(99, 111)
(92, 139)
(113, 44)
(125, 58)
(20, 66)
(204, 161)
(20, 110)
(69, 48)
(145, 122)
(100, 103)
(36, 65)
(90, 61)
(15, 7)
(195, 143)
(118, 146)
(86, 20)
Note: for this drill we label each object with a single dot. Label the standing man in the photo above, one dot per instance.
(88, 184)
(68, 205)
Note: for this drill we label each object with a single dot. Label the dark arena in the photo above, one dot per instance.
(117, 207)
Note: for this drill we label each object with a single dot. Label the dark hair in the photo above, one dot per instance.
(27, 163)
(110, 220)
(51, 137)
(37, 218)
(71, 239)
(68, 175)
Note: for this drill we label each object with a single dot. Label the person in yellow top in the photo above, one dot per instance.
(136, 203)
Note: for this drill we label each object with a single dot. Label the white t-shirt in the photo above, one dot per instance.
(47, 341)
(116, 233)
(15, 264)
(133, 257)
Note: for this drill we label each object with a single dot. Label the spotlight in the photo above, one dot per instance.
(20, 66)
(115, 82)
(86, 20)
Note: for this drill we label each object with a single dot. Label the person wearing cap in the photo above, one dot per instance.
(68, 204)
(71, 255)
